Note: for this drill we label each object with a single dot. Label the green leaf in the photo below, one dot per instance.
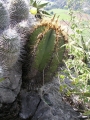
(86, 94)
(88, 83)
(62, 77)
(31, 2)
(83, 43)
(86, 112)
(44, 12)
(68, 93)
(42, 5)
(35, 4)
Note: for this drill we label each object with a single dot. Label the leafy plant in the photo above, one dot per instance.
(77, 64)
(39, 6)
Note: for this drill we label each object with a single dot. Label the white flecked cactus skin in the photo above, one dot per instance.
(4, 17)
(9, 39)
(15, 22)
(10, 47)
(14, 12)
(19, 10)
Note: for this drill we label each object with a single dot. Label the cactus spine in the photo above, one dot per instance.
(45, 46)
(4, 17)
(19, 10)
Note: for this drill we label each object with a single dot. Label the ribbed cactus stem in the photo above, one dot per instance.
(4, 17)
(9, 48)
(45, 47)
(19, 10)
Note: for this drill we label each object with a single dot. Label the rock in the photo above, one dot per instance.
(49, 107)
(29, 104)
(10, 86)
(10, 111)
(52, 107)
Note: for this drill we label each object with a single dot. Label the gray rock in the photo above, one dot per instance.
(29, 104)
(11, 83)
(50, 107)
(43, 112)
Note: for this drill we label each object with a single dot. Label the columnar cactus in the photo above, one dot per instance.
(4, 17)
(45, 47)
(19, 10)
(9, 48)
(13, 14)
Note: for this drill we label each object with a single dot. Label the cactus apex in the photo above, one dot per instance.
(19, 10)
(9, 47)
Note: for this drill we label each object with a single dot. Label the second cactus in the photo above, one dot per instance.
(45, 49)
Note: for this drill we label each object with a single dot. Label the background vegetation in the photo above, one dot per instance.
(75, 16)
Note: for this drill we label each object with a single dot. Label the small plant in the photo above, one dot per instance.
(37, 9)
